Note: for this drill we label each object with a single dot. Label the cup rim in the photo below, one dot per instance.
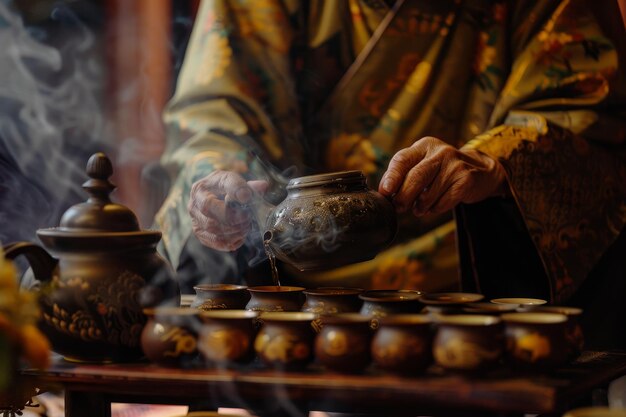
(333, 291)
(450, 298)
(474, 320)
(520, 301)
(405, 320)
(290, 316)
(602, 411)
(534, 318)
(489, 307)
(229, 314)
(393, 295)
(219, 287)
(275, 288)
(567, 310)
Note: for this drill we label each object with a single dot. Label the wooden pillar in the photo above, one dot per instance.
(139, 71)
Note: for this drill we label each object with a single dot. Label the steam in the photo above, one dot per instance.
(50, 120)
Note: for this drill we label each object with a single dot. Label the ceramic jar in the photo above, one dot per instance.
(535, 341)
(468, 343)
(220, 296)
(170, 336)
(227, 336)
(403, 343)
(275, 298)
(381, 303)
(343, 343)
(332, 300)
(330, 220)
(285, 340)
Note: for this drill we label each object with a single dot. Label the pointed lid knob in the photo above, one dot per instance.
(98, 213)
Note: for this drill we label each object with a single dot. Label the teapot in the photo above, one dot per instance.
(98, 272)
(329, 220)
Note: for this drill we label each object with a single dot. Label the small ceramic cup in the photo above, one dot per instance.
(381, 303)
(573, 331)
(403, 343)
(468, 342)
(520, 302)
(489, 308)
(448, 302)
(535, 341)
(343, 344)
(170, 336)
(285, 340)
(332, 300)
(227, 336)
(275, 298)
(220, 297)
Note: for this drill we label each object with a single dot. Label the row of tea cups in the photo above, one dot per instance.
(346, 342)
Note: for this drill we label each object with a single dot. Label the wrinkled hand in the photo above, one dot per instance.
(432, 177)
(217, 206)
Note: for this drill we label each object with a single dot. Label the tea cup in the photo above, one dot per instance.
(227, 336)
(275, 298)
(285, 339)
(343, 344)
(220, 296)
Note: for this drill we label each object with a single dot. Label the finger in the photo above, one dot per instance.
(419, 179)
(259, 187)
(400, 164)
(203, 223)
(446, 192)
(236, 212)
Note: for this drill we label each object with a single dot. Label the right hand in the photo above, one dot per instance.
(217, 205)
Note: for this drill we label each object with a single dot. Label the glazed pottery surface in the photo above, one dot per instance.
(220, 296)
(99, 272)
(330, 220)
(468, 343)
(343, 343)
(573, 330)
(536, 341)
(489, 308)
(596, 412)
(332, 300)
(275, 298)
(227, 336)
(381, 303)
(403, 343)
(285, 340)
(170, 336)
(520, 301)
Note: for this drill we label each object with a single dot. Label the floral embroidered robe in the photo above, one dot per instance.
(344, 85)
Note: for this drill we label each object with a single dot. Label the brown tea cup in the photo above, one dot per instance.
(275, 298)
(573, 330)
(381, 303)
(332, 300)
(220, 296)
(468, 342)
(535, 341)
(285, 340)
(403, 343)
(170, 336)
(343, 343)
(227, 336)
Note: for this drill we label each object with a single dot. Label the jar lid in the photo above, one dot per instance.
(341, 177)
(99, 213)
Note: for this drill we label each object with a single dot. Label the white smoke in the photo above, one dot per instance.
(51, 119)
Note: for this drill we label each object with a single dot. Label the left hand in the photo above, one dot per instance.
(433, 177)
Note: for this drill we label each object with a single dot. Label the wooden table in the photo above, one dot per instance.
(267, 392)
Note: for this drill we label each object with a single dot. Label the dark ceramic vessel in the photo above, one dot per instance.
(285, 340)
(536, 342)
(330, 220)
(573, 330)
(227, 336)
(381, 303)
(403, 343)
(332, 300)
(275, 298)
(220, 297)
(468, 343)
(170, 336)
(100, 271)
(343, 344)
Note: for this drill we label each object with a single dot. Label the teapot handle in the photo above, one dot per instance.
(40, 261)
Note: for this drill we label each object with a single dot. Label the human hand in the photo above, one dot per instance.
(433, 177)
(217, 205)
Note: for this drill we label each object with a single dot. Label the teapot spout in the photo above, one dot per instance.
(268, 236)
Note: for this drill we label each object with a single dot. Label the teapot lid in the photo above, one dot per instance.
(99, 213)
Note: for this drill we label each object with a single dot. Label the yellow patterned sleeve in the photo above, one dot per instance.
(235, 94)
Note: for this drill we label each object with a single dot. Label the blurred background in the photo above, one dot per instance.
(77, 77)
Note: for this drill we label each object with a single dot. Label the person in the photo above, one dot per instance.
(517, 186)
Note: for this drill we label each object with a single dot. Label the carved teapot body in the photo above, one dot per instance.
(100, 271)
(330, 220)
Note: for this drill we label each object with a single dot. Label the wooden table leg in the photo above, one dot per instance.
(80, 404)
